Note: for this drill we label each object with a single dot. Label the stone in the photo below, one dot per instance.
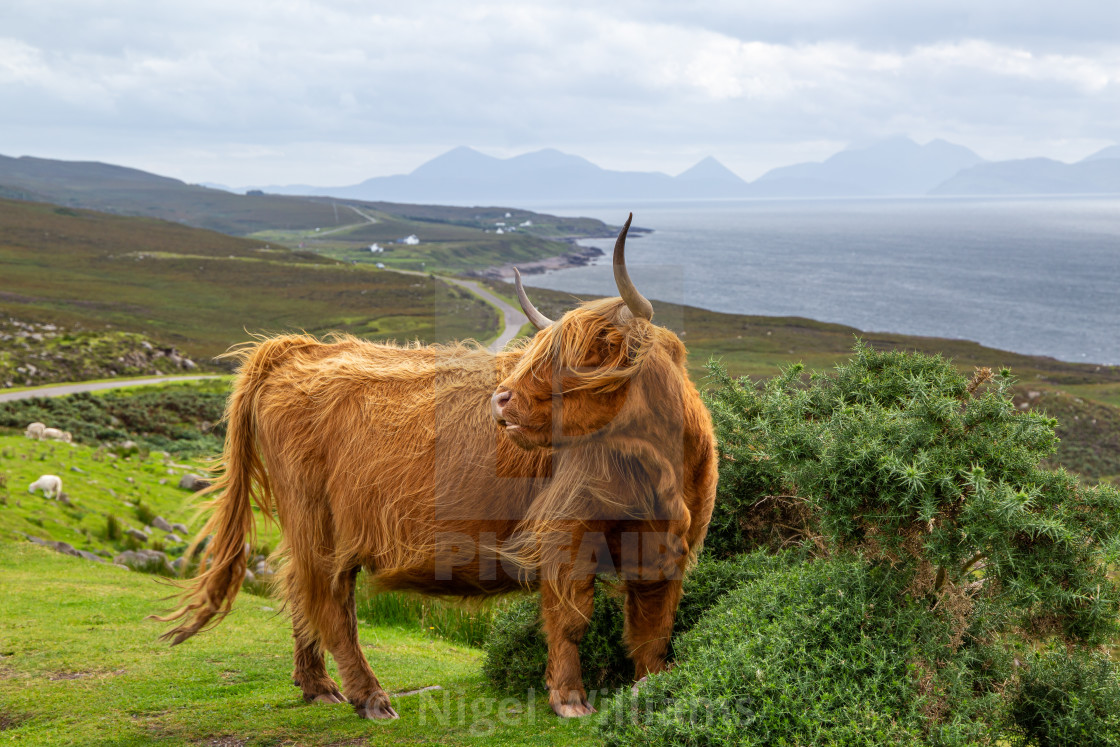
(173, 539)
(161, 524)
(193, 482)
(137, 535)
(180, 528)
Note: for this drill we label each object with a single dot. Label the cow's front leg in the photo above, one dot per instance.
(566, 605)
(651, 608)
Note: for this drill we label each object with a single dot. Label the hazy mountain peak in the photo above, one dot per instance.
(1112, 151)
(709, 169)
(460, 159)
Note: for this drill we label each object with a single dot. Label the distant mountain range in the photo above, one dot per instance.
(888, 168)
(894, 167)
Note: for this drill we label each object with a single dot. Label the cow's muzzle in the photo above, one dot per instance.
(498, 405)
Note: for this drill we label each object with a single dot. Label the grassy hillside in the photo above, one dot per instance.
(99, 483)
(79, 665)
(454, 242)
(203, 291)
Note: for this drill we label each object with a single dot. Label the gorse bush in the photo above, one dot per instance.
(824, 652)
(902, 457)
(933, 547)
(516, 650)
(182, 419)
(1067, 700)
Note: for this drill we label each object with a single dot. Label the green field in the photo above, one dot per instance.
(79, 665)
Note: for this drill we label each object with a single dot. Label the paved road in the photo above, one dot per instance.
(513, 318)
(93, 386)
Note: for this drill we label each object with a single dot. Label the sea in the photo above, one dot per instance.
(1039, 276)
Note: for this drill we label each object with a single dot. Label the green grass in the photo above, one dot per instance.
(81, 666)
(107, 485)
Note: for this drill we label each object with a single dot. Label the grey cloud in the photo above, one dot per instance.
(670, 78)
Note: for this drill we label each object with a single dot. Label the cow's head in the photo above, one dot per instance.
(577, 378)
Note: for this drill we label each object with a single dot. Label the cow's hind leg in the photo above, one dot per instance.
(331, 613)
(310, 674)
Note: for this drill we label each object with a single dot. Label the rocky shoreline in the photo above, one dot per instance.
(580, 257)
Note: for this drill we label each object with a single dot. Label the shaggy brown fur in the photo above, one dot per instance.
(389, 458)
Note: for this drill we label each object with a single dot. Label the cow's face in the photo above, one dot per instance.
(572, 379)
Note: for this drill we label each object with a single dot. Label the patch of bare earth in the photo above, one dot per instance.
(11, 720)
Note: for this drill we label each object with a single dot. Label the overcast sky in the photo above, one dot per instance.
(246, 92)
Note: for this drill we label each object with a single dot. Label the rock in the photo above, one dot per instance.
(193, 482)
(249, 577)
(137, 535)
(161, 524)
(65, 548)
(180, 528)
(163, 481)
(90, 556)
(79, 470)
(173, 539)
(177, 565)
(148, 561)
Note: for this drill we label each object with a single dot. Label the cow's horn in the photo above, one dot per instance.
(638, 304)
(539, 320)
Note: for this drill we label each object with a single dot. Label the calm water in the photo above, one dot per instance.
(1037, 276)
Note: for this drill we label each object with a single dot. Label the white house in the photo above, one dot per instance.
(526, 223)
(376, 249)
(499, 231)
(410, 240)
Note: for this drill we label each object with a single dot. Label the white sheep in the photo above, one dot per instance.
(51, 485)
(35, 431)
(55, 434)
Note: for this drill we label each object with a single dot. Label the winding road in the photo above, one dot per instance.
(59, 390)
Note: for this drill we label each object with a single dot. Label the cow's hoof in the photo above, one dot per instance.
(574, 706)
(376, 707)
(637, 685)
(319, 690)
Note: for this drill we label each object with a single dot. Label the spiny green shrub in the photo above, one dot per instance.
(516, 650)
(1067, 700)
(822, 652)
(901, 456)
(182, 419)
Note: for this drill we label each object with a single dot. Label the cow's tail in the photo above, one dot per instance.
(209, 596)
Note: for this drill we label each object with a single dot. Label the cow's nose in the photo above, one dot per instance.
(498, 403)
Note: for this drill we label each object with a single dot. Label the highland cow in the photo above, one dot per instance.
(450, 470)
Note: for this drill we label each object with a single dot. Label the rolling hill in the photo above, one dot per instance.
(204, 291)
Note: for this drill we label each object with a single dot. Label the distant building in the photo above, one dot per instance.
(499, 231)
(509, 215)
(527, 223)
(380, 265)
(410, 240)
(375, 248)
